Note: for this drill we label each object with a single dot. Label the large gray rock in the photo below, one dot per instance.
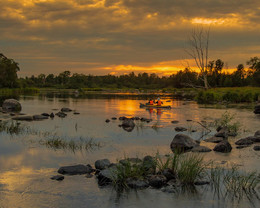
(223, 146)
(200, 149)
(75, 169)
(11, 105)
(102, 164)
(182, 142)
(128, 124)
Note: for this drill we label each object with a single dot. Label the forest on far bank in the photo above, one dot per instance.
(185, 78)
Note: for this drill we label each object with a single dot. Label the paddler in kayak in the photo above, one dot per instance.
(159, 102)
(150, 102)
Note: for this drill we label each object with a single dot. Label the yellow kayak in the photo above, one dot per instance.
(154, 106)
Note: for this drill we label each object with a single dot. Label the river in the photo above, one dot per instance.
(26, 163)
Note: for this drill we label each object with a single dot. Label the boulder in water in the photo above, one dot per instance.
(11, 105)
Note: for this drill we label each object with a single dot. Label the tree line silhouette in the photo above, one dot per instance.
(216, 76)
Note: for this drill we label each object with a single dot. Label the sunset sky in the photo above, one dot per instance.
(120, 36)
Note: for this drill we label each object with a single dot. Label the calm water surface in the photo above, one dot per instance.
(26, 165)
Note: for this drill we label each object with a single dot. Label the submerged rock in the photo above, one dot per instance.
(61, 114)
(157, 181)
(214, 139)
(89, 175)
(180, 129)
(242, 146)
(57, 177)
(40, 117)
(223, 132)
(168, 173)
(169, 189)
(23, 118)
(65, 110)
(244, 141)
(257, 109)
(182, 142)
(256, 148)
(122, 118)
(45, 114)
(201, 149)
(136, 183)
(113, 118)
(149, 164)
(107, 120)
(75, 169)
(223, 146)
(201, 183)
(102, 164)
(11, 105)
(174, 122)
(106, 176)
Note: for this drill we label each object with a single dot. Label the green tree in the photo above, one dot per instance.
(8, 72)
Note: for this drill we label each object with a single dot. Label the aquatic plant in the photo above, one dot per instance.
(232, 182)
(12, 127)
(73, 145)
(162, 164)
(226, 121)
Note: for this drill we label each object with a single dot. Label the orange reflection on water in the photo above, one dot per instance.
(127, 107)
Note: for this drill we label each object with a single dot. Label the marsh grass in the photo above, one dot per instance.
(233, 183)
(49, 139)
(187, 167)
(163, 163)
(11, 128)
(191, 167)
(73, 145)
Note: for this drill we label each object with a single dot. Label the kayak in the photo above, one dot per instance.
(154, 106)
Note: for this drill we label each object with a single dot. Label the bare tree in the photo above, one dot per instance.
(198, 42)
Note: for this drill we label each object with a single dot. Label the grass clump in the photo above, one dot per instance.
(11, 127)
(227, 121)
(126, 170)
(190, 168)
(233, 182)
(187, 167)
